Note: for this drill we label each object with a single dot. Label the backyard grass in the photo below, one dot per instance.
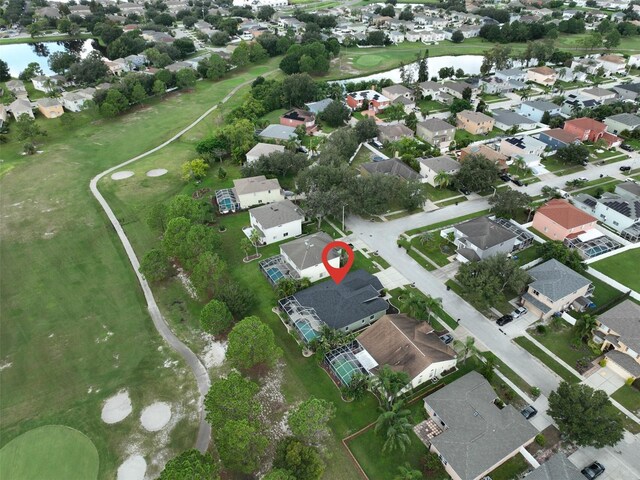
(561, 341)
(437, 248)
(619, 267)
(527, 255)
(511, 469)
(628, 397)
(537, 352)
(603, 292)
(431, 106)
(53, 452)
(436, 194)
(75, 326)
(464, 136)
(501, 303)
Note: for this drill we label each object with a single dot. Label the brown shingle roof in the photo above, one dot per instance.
(543, 70)
(565, 214)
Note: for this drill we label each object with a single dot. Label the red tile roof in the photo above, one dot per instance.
(565, 214)
(586, 123)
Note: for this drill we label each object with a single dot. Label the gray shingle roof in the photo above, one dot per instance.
(443, 163)
(555, 280)
(541, 105)
(624, 319)
(484, 233)
(278, 213)
(436, 125)
(509, 118)
(319, 106)
(479, 434)
(628, 119)
(625, 361)
(279, 132)
(306, 251)
(339, 305)
(392, 166)
(558, 467)
(256, 184)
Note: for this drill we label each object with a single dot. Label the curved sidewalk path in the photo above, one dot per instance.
(200, 372)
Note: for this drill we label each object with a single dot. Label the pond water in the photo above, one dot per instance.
(19, 55)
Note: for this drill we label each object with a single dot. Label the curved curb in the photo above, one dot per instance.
(161, 325)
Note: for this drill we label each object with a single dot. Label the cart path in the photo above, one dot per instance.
(198, 369)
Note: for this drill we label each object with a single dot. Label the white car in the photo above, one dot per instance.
(518, 312)
(583, 179)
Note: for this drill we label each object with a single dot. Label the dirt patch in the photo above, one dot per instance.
(214, 351)
(133, 468)
(157, 172)
(116, 408)
(156, 416)
(122, 175)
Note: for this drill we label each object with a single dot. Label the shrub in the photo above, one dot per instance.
(540, 440)
(541, 329)
(603, 362)
(535, 391)
(631, 381)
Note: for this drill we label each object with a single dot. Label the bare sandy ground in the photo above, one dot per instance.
(116, 408)
(156, 416)
(121, 175)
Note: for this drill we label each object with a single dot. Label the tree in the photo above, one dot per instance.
(232, 398)
(336, 114)
(395, 427)
(240, 137)
(215, 318)
(208, 271)
(157, 217)
(251, 342)
(507, 202)
(217, 67)
(585, 326)
(159, 87)
(586, 416)
(155, 265)
(190, 465)
(457, 37)
(301, 461)
(410, 195)
(415, 306)
(366, 129)
(387, 384)
(407, 472)
(28, 129)
(5, 75)
(240, 55)
(308, 421)
(612, 39)
(467, 93)
(279, 474)
(432, 304)
(265, 12)
(31, 70)
(186, 78)
(466, 348)
(184, 45)
(138, 94)
(60, 62)
(565, 255)
(186, 207)
(220, 38)
(89, 70)
(241, 446)
(477, 173)
(458, 105)
(298, 89)
(239, 299)
(194, 170)
(443, 179)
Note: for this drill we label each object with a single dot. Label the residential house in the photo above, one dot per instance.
(394, 91)
(476, 123)
(573, 103)
(75, 101)
(555, 288)
(468, 430)
(618, 334)
(457, 89)
(524, 145)
(558, 219)
(281, 133)
(590, 130)
(634, 60)
(535, 109)
(437, 132)
(481, 238)
(612, 63)
(558, 467)
(257, 190)
(48, 12)
(494, 85)
(50, 107)
(394, 132)
(429, 88)
(622, 121)
(406, 345)
(367, 99)
(485, 151)
(277, 221)
(319, 106)
(354, 303)
(602, 95)
(506, 120)
(407, 104)
(303, 256)
(3, 115)
(431, 167)
(542, 75)
(512, 74)
(296, 117)
(396, 36)
(391, 166)
(262, 149)
(629, 91)
(619, 210)
(43, 83)
(17, 88)
(20, 107)
(557, 138)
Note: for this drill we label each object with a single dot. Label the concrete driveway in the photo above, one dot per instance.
(605, 379)
(621, 462)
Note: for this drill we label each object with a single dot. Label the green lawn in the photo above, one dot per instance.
(274, 117)
(603, 292)
(363, 263)
(628, 397)
(527, 255)
(534, 350)
(619, 267)
(54, 452)
(437, 249)
(464, 136)
(436, 194)
(561, 342)
(507, 372)
(445, 223)
(511, 469)
(75, 326)
(559, 168)
(431, 106)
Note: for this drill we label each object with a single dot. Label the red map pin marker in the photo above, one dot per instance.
(337, 274)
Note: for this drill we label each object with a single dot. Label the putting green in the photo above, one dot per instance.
(370, 60)
(54, 452)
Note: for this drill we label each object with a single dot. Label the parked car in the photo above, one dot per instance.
(529, 412)
(517, 182)
(593, 471)
(302, 149)
(518, 312)
(626, 147)
(446, 338)
(465, 191)
(625, 168)
(504, 320)
(505, 177)
(583, 179)
(584, 163)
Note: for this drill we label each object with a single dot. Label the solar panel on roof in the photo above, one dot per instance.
(590, 202)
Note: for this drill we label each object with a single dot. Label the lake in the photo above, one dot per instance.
(19, 55)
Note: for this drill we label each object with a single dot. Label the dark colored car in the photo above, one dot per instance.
(529, 412)
(517, 182)
(446, 338)
(504, 320)
(505, 177)
(584, 163)
(593, 471)
(626, 147)
(465, 191)
(625, 168)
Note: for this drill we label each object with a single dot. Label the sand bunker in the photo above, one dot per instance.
(156, 172)
(214, 353)
(155, 416)
(133, 468)
(122, 175)
(116, 408)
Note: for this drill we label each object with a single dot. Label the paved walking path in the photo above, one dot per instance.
(198, 369)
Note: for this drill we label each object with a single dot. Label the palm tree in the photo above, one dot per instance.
(425, 237)
(255, 238)
(387, 384)
(431, 304)
(442, 179)
(465, 348)
(407, 472)
(415, 306)
(520, 164)
(531, 208)
(246, 245)
(586, 325)
(396, 426)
